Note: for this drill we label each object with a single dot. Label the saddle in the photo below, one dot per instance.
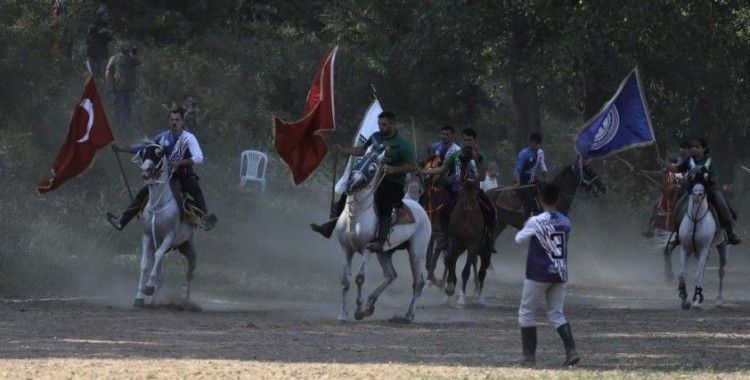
(402, 215)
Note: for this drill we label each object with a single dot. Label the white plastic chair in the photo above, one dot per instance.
(253, 168)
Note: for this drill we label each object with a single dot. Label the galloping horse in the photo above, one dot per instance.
(163, 228)
(569, 179)
(357, 225)
(699, 230)
(466, 232)
(433, 201)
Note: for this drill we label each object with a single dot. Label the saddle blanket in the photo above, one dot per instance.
(402, 215)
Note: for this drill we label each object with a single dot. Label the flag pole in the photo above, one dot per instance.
(414, 138)
(124, 177)
(333, 177)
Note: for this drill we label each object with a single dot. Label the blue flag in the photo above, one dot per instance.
(623, 123)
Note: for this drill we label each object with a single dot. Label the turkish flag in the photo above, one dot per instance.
(298, 144)
(87, 133)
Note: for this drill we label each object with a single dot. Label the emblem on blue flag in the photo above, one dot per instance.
(623, 123)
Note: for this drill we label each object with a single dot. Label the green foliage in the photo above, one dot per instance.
(456, 62)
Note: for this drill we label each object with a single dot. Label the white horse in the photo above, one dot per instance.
(356, 227)
(698, 232)
(163, 230)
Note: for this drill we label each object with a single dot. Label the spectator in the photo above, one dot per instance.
(190, 104)
(490, 181)
(97, 42)
(122, 79)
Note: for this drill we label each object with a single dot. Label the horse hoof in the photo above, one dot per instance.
(342, 316)
(686, 306)
(359, 315)
(139, 302)
(720, 303)
(446, 301)
(149, 291)
(409, 317)
(482, 300)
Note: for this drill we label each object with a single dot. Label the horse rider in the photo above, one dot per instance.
(399, 160)
(445, 146)
(682, 156)
(700, 160)
(469, 151)
(530, 169)
(183, 152)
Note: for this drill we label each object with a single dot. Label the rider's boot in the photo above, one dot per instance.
(528, 342)
(135, 206)
(325, 229)
(732, 239)
(384, 227)
(676, 234)
(571, 355)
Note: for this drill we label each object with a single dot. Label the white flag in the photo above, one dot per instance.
(367, 127)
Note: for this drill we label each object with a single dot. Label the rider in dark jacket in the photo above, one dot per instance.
(700, 160)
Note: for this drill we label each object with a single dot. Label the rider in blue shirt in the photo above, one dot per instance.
(183, 152)
(530, 168)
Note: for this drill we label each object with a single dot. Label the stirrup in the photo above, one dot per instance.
(209, 222)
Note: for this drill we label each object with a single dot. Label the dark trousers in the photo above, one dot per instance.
(387, 196)
(188, 183)
(123, 108)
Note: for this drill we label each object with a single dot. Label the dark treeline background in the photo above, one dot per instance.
(505, 68)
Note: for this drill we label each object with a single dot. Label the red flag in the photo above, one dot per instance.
(87, 133)
(298, 144)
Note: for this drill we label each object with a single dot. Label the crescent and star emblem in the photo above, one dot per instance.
(89, 108)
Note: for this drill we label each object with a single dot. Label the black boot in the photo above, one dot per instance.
(528, 341)
(732, 239)
(325, 229)
(571, 355)
(384, 227)
(114, 220)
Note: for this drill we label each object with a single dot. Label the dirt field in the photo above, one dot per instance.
(269, 309)
(276, 338)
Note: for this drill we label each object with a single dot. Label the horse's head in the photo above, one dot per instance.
(699, 175)
(469, 173)
(367, 169)
(590, 181)
(152, 161)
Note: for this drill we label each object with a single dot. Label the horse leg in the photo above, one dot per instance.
(346, 272)
(158, 256)
(465, 273)
(682, 288)
(668, 271)
(486, 261)
(418, 279)
(722, 248)
(188, 250)
(389, 274)
(699, 272)
(431, 262)
(474, 269)
(146, 250)
(360, 280)
(449, 260)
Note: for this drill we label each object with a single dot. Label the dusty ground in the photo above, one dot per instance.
(269, 308)
(275, 338)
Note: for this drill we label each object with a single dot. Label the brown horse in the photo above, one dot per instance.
(466, 232)
(433, 201)
(569, 179)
